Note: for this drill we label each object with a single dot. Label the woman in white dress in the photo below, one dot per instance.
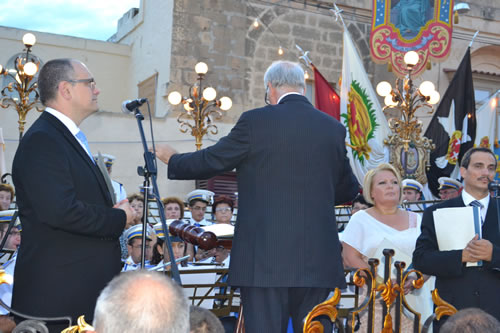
(384, 225)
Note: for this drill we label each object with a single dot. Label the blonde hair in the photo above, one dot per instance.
(368, 181)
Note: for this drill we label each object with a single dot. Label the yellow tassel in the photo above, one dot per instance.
(389, 67)
(455, 18)
(428, 65)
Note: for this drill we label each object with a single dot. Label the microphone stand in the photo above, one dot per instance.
(149, 172)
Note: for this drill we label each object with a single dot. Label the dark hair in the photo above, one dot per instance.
(53, 72)
(176, 200)
(157, 256)
(135, 196)
(471, 320)
(223, 199)
(194, 201)
(204, 321)
(466, 158)
(359, 198)
(8, 188)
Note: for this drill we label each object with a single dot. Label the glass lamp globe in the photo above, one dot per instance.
(384, 88)
(389, 101)
(174, 98)
(30, 68)
(187, 105)
(411, 58)
(426, 88)
(29, 39)
(209, 94)
(226, 103)
(201, 68)
(434, 97)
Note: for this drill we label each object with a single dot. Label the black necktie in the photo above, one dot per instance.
(479, 205)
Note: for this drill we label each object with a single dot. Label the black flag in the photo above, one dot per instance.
(453, 126)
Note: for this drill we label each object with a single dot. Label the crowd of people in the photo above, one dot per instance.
(74, 232)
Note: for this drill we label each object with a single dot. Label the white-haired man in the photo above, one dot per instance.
(141, 301)
(292, 169)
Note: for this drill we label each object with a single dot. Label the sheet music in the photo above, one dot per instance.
(455, 227)
(105, 174)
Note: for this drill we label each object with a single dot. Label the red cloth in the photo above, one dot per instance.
(327, 99)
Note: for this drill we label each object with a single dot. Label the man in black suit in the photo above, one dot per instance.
(70, 247)
(461, 285)
(292, 169)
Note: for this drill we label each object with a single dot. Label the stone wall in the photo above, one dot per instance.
(221, 34)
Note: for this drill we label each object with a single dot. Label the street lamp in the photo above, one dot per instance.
(199, 106)
(406, 98)
(21, 76)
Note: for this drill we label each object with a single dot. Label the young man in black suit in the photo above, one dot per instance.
(461, 285)
(292, 169)
(70, 247)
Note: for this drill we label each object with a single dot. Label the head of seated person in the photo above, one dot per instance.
(174, 208)
(359, 203)
(134, 243)
(6, 196)
(179, 247)
(222, 209)
(141, 301)
(471, 320)
(203, 321)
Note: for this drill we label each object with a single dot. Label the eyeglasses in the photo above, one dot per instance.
(199, 208)
(90, 82)
(266, 96)
(223, 209)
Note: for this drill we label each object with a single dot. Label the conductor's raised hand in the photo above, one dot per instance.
(164, 152)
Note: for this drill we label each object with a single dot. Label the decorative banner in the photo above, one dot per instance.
(423, 26)
(453, 126)
(361, 114)
(327, 100)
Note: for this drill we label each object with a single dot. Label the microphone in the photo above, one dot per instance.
(494, 186)
(130, 106)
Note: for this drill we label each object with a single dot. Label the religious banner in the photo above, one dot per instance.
(361, 114)
(399, 26)
(453, 126)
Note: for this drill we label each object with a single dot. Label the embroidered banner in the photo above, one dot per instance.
(399, 26)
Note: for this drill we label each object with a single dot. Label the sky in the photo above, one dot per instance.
(93, 19)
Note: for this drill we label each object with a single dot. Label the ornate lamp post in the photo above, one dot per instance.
(407, 129)
(199, 107)
(25, 68)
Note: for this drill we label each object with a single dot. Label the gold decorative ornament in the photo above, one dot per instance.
(409, 151)
(26, 67)
(443, 308)
(81, 327)
(327, 308)
(199, 107)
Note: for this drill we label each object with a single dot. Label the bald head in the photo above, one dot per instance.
(141, 301)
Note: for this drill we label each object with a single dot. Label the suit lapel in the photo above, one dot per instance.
(70, 138)
(491, 223)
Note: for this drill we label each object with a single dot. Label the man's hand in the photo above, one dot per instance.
(164, 152)
(477, 249)
(480, 249)
(125, 206)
